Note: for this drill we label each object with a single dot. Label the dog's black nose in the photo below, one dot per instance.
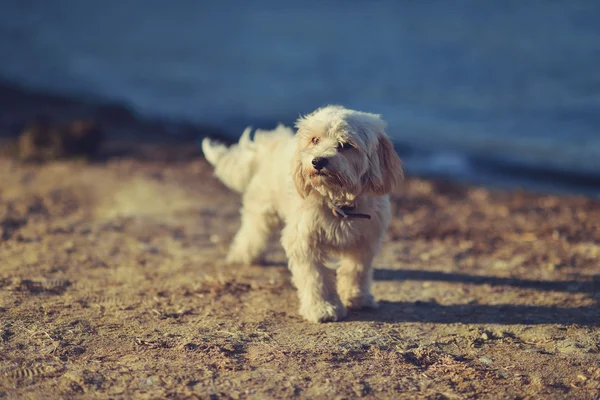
(319, 163)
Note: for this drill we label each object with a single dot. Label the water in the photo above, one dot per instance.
(516, 83)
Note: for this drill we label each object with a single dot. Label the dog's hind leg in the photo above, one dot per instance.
(252, 238)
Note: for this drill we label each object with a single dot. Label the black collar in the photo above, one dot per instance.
(347, 212)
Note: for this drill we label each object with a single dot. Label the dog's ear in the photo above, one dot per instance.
(302, 186)
(386, 171)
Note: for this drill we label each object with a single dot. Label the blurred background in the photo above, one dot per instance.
(497, 92)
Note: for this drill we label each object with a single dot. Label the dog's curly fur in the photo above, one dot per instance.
(277, 176)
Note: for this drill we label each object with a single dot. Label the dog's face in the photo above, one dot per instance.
(343, 153)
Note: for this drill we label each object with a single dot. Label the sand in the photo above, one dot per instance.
(113, 285)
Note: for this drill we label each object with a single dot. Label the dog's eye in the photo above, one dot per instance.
(344, 146)
(315, 140)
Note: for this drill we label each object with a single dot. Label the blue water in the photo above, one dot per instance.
(514, 81)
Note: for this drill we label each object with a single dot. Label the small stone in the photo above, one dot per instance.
(69, 246)
(486, 360)
(502, 374)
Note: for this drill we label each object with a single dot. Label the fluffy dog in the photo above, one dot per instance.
(328, 184)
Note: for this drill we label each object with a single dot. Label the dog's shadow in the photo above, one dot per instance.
(507, 314)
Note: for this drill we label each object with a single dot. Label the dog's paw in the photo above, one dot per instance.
(361, 302)
(323, 311)
(236, 258)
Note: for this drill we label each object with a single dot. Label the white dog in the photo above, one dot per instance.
(328, 184)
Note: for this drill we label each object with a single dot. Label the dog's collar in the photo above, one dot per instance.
(346, 212)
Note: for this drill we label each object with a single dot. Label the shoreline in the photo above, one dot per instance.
(128, 130)
(19, 106)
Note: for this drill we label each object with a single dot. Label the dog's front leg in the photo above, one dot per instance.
(319, 301)
(354, 277)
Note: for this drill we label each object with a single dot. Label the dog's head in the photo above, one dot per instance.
(343, 154)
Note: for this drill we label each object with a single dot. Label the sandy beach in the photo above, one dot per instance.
(113, 285)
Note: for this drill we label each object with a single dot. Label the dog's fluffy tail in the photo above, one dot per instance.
(236, 165)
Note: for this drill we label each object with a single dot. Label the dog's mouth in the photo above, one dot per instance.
(321, 173)
(320, 178)
(325, 178)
